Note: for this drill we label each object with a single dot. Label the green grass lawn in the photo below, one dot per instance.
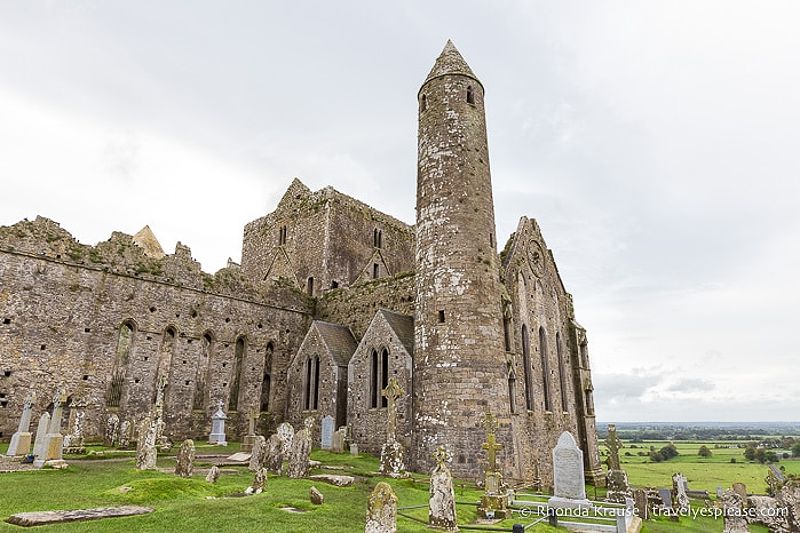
(194, 505)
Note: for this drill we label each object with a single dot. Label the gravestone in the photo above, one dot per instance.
(185, 460)
(493, 504)
(569, 489)
(641, 505)
(21, 439)
(54, 441)
(617, 486)
(392, 451)
(286, 433)
(259, 481)
(146, 452)
(614, 445)
(315, 496)
(250, 438)
(680, 500)
(441, 496)
(326, 432)
(125, 430)
(258, 454)
(301, 448)
(733, 516)
(73, 441)
(213, 474)
(381, 510)
(111, 436)
(666, 498)
(354, 449)
(274, 454)
(41, 436)
(217, 436)
(741, 490)
(339, 440)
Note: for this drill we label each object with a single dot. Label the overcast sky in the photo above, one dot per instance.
(657, 144)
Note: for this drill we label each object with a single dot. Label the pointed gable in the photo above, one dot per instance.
(146, 240)
(403, 327)
(281, 268)
(338, 340)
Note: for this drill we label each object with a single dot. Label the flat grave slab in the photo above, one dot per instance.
(40, 518)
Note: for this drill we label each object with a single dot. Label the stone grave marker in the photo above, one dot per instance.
(111, 435)
(568, 479)
(301, 448)
(274, 454)
(257, 457)
(41, 435)
(666, 497)
(21, 439)
(213, 474)
(441, 496)
(326, 432)
(217, 435)
(286, 433)
(185, 459)
(381, 510)
(259, 481)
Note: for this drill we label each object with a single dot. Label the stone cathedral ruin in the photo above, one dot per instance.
(332, 300)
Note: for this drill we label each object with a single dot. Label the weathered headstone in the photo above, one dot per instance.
(259, 481)
(301, 448)
(258, 453)
(326, 432)
(666, 498)
(641, 505)
(354, 449)
(339, 439)
(146, 452)
(250, 438)
(392, 463)
(21, 439)
(741, 490)
(617, 486)
(733, 513)
(111, 435)
(286, 433)
(569, 490)
(185, 459)
(680, 500)
(442, 498)
(315, 496)
(41, 436)
(125, 430)
(614, 445)
(73, 440)
(274, 454)
(381, 510)
(54, 441)
(217, 435)
(213, 474)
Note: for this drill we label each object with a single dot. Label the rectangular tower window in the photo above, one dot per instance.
(441, 316)
(376, 270)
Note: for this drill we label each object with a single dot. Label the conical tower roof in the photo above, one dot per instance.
(450, 61)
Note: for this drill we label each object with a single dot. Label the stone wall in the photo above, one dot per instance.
(541, 333)
(63, 304)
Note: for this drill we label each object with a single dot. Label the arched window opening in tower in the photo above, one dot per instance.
(561, 373)
(310, 287)
(545, 369)
(238, 372)
(125, 339)
(470, 95)
(201, 375)
(266, 382)
(526, 368)
(423, 106)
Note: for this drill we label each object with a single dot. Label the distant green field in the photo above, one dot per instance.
(702, 473)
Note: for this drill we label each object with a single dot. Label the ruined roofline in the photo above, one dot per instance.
(514, 242)
(324, 194)
(45, 239)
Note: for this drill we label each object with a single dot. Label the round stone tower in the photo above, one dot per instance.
(460, 369)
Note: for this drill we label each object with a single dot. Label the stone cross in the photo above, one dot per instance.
(252, 418)
(392, 392)
(614, 445)
(491, 445)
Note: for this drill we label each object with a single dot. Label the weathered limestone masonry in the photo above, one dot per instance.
(333, 300)
(460, 367)
(107, 321)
